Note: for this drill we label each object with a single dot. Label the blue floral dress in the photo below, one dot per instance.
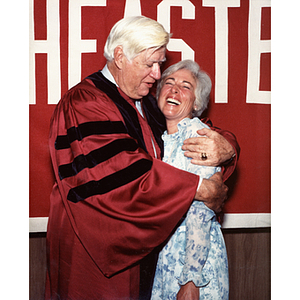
(196, 251)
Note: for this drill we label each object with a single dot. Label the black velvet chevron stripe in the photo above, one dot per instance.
(156, 120)
(96, 157)
(111, 182)
(89, 128)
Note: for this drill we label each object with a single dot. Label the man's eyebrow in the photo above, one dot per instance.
(157, 61)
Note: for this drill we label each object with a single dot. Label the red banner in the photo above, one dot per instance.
(229, 39)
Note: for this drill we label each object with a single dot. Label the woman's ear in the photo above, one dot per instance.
(118, 57)
(195, 106)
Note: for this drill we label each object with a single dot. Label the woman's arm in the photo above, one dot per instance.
(198, 224)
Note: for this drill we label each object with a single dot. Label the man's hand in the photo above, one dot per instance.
(217, 149)
(188, 292)
(213, 192)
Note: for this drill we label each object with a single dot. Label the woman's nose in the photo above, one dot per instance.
(174, 89)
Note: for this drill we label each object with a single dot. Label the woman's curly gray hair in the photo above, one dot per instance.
(202, 90)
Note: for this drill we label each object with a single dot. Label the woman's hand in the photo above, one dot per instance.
(188, 292)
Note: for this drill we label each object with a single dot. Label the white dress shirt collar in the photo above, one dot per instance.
(106, 73)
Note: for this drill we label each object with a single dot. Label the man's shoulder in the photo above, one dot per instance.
(84, 93)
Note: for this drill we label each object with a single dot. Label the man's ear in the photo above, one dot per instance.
(119, 57)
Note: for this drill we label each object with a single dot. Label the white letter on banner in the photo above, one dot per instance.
(221, 54)
(76, 44)
(163, 17)
(132, 8)
(51, 46)
(256, 47)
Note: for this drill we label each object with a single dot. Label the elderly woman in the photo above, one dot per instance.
(193, 263)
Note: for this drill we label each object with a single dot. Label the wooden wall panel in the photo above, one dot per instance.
(37, 265)
(249, 258)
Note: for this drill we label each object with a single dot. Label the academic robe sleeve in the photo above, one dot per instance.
(228, 167)
(120, 201)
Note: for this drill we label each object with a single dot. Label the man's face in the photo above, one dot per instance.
(138, 76)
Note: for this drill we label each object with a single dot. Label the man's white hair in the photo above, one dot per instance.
(135, 34)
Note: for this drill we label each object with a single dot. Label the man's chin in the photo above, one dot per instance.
(144, 92)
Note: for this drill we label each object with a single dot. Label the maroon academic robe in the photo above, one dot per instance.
(113, 202)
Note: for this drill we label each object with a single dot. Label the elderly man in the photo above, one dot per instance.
(114, 201)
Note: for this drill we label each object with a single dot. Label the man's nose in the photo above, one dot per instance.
(155, 72)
